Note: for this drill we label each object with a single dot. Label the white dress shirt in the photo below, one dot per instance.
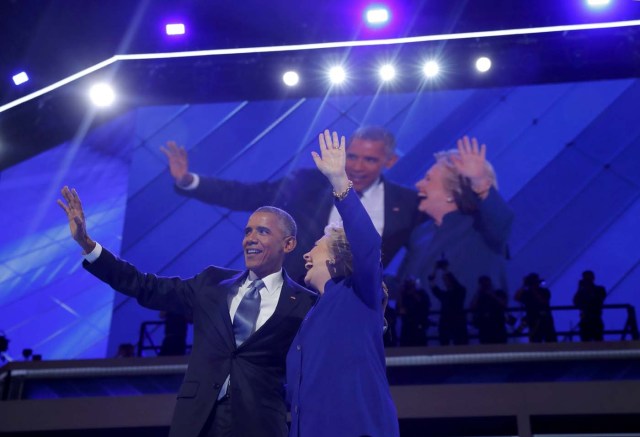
(373, 201)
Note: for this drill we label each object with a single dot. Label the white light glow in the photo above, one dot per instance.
(102, 95)
(598, 3)
(291, 78)
(317, 46)
(431, 69)
(387, 72)
(483, 64)
(20, 78)
(175, 29)
(337, 75)
(377, 16)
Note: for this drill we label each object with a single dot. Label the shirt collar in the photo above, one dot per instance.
(272, 282)
(372, 188)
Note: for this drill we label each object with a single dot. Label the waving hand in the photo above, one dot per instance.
(331, 160)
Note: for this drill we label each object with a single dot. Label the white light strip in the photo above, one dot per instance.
(318, 46)
(58, 84)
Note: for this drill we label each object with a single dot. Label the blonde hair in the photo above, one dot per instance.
(453, 181)
(457, 186)
(339, 247)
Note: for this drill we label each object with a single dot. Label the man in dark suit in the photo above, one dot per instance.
(244, 322)
(306, 195)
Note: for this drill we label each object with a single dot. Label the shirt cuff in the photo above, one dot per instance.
(94, 254)
(193, 185)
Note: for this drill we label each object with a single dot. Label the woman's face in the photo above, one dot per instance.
(431, 190)
(317, 264)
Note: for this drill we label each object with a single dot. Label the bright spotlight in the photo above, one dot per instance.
(290, 78)
(175, 29)
(102, 95)
(337, 75)
(598, 3)
(431, 69)
(387, 72)
(377, 15)
(483, 64)
(20, 78)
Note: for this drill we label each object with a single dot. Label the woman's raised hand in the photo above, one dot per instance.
(331, 160)
(471, 163)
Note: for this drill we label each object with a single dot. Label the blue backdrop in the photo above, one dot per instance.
(566, 156)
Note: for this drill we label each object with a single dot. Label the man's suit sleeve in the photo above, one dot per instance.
(238, 196)
(154, 292)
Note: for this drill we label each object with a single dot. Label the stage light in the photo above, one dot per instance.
(431, 69)
(483, 64)
(102, 95)
(387, 72)
(291, 78)
(175, 29)
(337, 75)
(598, 3)
(377, 15)
(20, 78)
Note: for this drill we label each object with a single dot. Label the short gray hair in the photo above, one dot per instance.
(287, 223)
(376, 133)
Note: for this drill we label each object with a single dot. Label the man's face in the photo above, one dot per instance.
(365, 161)
(265, 244)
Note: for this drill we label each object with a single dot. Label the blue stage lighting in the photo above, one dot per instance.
(102, 95)
(483, 64)
(387, 72)
(598, 3)
(337, 75)
(291, 78)
(377, 16)
(175, 29)
(20, 78)
(431, 69)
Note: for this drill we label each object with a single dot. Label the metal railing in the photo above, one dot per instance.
(630, 328)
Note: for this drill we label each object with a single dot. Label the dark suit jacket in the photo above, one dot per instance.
(256, 367)
(306, 195)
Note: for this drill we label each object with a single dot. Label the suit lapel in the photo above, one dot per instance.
(220, 315)
(391, 210)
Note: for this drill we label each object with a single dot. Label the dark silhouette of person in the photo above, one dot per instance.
(126, 350)
(175, 334)
(537, 301)
(488, 307)
(589, 299)
(390, 335)
(452, 326)
(413, 308)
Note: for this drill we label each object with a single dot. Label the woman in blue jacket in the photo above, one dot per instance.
(336, 375)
